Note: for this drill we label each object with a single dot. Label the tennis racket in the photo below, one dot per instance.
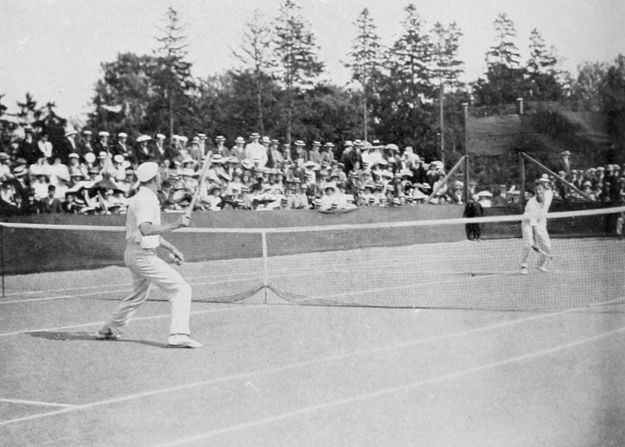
(560, 262)
(203, 172)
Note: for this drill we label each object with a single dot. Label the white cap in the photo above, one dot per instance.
(122, 135)
(103, 133)
(146, 171)
(143, 138)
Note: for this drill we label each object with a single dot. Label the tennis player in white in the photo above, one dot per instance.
(534, 226)
(143, 235)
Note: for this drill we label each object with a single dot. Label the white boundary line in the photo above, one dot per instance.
(35, 402)
(148, 317)
(283, 368)
(388, 391)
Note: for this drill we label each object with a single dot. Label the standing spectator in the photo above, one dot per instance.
(239, 148)
(256, 152)
(68, 146)
(274, 156)
(195, 152)
(85, 146)
(473, 209)
(327, 153)
(45, 147)
(300, 156)
(221, 148)
(159, 146)
(102, 145)
(142, 152)
(314, 154)
(351, 156)
(121, 146)
(28, 149)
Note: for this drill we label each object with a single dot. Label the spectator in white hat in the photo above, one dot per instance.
(239, 148)
(220, 146)
(256, 152)
(102, 145)
(142, 152)
(121, 145)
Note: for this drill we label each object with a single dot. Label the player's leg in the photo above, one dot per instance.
(526, 248)
(543, 242)
(178, 293)
(140, 292)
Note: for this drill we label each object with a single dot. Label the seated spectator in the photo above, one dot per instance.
(50, 204)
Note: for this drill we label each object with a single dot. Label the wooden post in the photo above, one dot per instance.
(550, 172)
(447, 177)
(465, 106)
(523, 181)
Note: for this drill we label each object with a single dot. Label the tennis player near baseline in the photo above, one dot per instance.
(534, 226)
(143, 235)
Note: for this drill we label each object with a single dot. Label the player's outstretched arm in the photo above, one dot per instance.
(149, 229)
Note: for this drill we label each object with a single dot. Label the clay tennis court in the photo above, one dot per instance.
(412, 347)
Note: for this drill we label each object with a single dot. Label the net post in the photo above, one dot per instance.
(263, 236)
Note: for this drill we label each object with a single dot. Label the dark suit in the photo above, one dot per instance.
(50, 206)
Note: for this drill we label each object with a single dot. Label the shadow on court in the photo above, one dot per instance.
(86, 336)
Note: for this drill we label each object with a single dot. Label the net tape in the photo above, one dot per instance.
(448, 275)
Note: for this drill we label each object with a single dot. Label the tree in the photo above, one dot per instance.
(612, 94)
(586, 88)
(365, 60)
(409, 60)
(296, 51)
(255, 54)
(542, 70)
(447, 68)
(29, 112)
(173, 72)
(504, 81)
(124, 93)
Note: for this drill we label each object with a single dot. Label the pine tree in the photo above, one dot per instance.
(365, 60)
(256, 56)
(447, 68)
(505, 51)
(542, 69)
(505, 78)
(174, 72)
(409, 60)
(296, 50)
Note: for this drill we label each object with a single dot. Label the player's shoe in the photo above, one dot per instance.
(182, 341)
(542, 268)
(524, 270)
(107, 333)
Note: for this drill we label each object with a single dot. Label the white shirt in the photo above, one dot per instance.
(536, 212)
(257, 154)
(143, 207)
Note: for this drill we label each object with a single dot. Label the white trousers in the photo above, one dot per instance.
(147, 269)
(539, 238)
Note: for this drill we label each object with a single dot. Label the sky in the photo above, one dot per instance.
(54, 48)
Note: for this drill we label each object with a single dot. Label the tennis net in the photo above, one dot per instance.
(415, 264)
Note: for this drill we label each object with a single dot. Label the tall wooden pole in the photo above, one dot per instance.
(441, 101)
(465, 107)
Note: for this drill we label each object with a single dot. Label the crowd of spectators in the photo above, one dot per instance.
(92, 173)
